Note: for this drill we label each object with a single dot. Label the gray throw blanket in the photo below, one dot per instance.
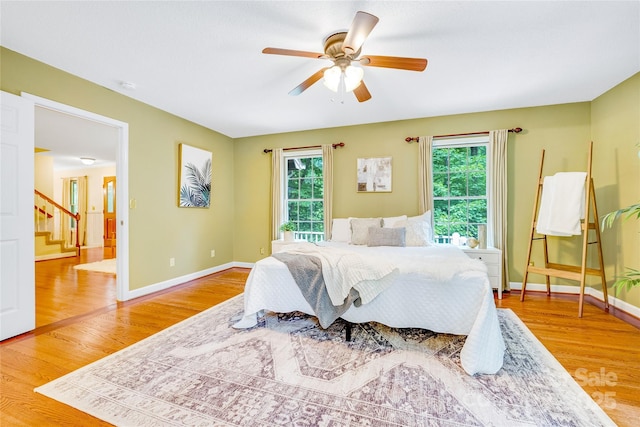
(307, 273)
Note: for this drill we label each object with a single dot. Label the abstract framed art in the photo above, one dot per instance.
(195, 177)
(374, 175)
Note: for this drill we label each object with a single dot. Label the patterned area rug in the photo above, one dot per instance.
(289, 371)
(104, 266)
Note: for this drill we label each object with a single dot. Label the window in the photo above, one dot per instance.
(73, 201)
(459, 187)
(304, 191)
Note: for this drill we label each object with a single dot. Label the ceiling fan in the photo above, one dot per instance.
(343, 48)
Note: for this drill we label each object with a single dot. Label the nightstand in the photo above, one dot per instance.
(492, 257)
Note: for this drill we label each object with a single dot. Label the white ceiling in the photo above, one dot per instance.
(68, 137)
(202, 60)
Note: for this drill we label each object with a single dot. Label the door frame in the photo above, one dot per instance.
(122, 195)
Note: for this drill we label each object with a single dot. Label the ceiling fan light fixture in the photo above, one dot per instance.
(332, 78)
(87, 160)
(352, 77)
(335, 76)
(343, 48)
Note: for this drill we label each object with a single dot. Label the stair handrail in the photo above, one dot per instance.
(64, 210)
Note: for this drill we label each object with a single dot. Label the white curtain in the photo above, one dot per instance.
(276, 192)
(327, 178)
(425, 180)
(497, 236)
(82, 210)
(65, 226)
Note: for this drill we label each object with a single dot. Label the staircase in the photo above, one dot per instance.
(52, 223)
(49, 248)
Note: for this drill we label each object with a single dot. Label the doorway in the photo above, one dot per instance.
(119, 226)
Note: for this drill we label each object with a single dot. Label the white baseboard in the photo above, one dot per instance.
(55, 256)
(243, 264)
(161, 286)
(565, 289)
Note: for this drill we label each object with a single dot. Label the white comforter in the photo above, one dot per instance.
(437, 288)
(344, 269)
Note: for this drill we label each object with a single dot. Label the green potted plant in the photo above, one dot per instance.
(631, 277)
(288, 228)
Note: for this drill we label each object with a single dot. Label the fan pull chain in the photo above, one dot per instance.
(341, 90)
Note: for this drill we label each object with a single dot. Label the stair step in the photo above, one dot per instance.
(50, 248)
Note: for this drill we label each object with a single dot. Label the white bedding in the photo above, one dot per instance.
(437, 288)
(344, 269)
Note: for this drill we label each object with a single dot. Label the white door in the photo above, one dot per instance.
(17, 276)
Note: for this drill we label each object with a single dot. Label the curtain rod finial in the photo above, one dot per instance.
(410, 139)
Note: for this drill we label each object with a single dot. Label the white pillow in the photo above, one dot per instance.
(390, 221)
(426, 217)
(360, 229)
(419, 231)
(341, 230)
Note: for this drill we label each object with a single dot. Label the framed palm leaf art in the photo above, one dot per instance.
(195, 177)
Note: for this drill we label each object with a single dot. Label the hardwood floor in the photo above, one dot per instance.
(600, 351)
(62, 292)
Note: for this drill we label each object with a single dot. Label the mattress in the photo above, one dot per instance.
(438, 288)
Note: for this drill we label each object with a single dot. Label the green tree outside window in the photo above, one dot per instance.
(305, 192)
(459, 190)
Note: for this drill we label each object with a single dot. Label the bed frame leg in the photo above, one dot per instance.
(348, 332)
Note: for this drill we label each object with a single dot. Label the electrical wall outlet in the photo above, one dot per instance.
(172, 262)
(261, 251)
(213, 253)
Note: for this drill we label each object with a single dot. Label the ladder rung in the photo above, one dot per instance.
(571, 272)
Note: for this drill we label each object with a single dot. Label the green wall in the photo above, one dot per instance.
(615, 125)
(158, 229)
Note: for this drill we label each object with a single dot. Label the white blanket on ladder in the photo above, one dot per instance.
(562, 204)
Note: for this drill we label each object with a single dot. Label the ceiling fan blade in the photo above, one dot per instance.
(412, 64)
(307, 83)
(362, 93)
(289, 52)
(361, 26)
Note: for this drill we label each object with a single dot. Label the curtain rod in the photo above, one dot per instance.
(339, 144)
(486, 132)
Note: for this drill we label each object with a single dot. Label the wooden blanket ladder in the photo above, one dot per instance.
(571, 272)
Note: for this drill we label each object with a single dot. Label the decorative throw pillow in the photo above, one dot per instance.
(360, 229)
(341, 230)
(418, 229)
(426, 217)
(390, 221)
(386, 236)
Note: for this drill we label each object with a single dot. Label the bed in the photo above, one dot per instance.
(435, 287)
